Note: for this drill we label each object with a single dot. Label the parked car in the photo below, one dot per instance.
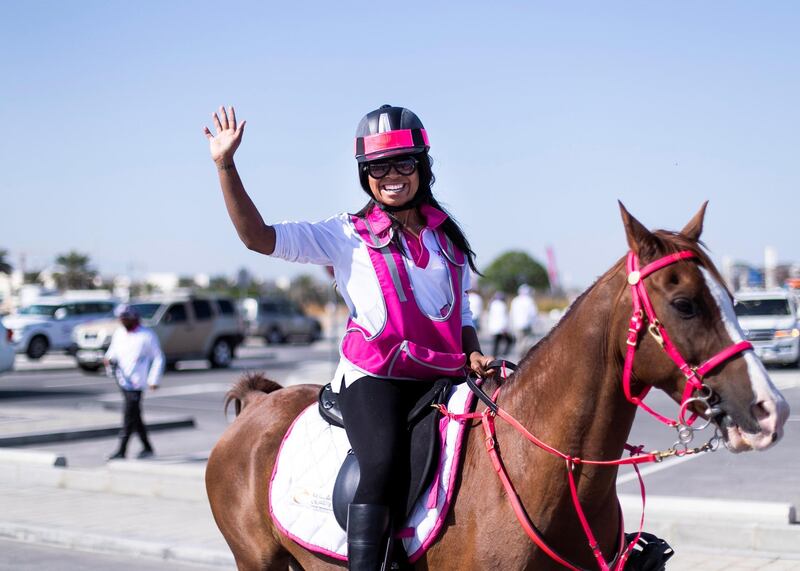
(279, 321)
(187, 328)
(770, 322)
(6, 350)
(47, 324)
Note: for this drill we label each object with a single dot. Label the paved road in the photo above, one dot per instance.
(193, 390)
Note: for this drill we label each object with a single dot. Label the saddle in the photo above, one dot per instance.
(423, 422)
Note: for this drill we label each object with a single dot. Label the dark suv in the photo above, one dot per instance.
(280, 320)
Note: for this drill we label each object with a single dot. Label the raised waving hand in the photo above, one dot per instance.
(228, 136)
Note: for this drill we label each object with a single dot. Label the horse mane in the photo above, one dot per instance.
(663, 242)
(250, 382)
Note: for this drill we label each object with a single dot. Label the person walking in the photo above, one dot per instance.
(402, 266)
(523, 317)
(476, 307)
(134, 358)
(498, 325)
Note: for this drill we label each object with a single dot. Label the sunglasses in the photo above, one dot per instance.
(406, 166)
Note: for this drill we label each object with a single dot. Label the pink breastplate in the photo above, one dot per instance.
(411, 344)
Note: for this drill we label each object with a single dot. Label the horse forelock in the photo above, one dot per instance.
(671, 242)
(250, 382)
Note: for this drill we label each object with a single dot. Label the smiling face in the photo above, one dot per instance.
(394, 189)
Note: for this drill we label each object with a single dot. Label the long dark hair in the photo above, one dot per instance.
(424, 196)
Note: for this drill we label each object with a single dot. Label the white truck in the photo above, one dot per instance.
(769, 319)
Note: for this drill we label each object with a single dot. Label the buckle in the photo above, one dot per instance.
(654, 332)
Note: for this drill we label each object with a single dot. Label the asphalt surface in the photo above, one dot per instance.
(193, 390)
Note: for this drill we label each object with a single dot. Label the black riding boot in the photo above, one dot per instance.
(367, 525)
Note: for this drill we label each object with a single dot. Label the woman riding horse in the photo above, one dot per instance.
(402, 264)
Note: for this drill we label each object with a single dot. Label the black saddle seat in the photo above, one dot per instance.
(423, 422)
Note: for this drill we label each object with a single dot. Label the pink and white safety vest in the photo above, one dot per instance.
(410, 344)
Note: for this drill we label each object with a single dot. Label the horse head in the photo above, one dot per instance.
(695, 351)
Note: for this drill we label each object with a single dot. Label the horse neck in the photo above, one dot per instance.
(568, 390)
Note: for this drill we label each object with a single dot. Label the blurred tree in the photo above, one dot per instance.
(5, 265)
(74, 271)
(307, 289)
(31, 277)
(185, 281)
(512, 269)
(219, 283)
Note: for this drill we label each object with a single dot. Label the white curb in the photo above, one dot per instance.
(110, 544)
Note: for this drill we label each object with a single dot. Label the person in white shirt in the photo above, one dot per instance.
(476, 307)
(498, 325)
(136, 361)
(523, 312)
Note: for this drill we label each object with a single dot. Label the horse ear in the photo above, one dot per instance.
(695, 226)
(640, 239)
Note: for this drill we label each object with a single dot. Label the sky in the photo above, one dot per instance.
(541, 115)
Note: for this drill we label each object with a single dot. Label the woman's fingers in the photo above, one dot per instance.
(208, 134)
(224, 120)
(232, 116)
(240, 130)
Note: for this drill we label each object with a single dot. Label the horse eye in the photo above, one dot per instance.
(684, 306)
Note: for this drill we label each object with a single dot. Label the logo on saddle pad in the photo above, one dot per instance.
(312, 499)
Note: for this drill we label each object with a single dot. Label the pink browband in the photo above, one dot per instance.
(402, 138)
(642, 307)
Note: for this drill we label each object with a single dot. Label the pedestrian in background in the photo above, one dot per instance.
(476, 307)
(523, 317)
(498, 325)
(136, 361)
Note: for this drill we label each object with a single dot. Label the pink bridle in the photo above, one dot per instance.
(642, 306)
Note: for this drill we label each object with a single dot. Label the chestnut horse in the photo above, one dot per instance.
(567, 392)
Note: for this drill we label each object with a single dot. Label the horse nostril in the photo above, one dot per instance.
(760, 411)
(774, 436)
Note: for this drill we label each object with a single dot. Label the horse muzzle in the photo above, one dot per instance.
(761, 428)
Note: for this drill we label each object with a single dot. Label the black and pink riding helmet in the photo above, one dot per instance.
(389, 131)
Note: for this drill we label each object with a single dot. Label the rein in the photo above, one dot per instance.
(642, 307)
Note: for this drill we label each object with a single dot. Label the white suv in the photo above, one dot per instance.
(770, 322)
(6, 350)
(47, 324)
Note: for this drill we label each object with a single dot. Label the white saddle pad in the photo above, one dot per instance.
(308, 462)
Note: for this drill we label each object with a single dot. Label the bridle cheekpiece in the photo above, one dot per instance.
(643, 307)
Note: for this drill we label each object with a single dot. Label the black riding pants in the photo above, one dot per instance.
(132, 421)
(375, 414)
